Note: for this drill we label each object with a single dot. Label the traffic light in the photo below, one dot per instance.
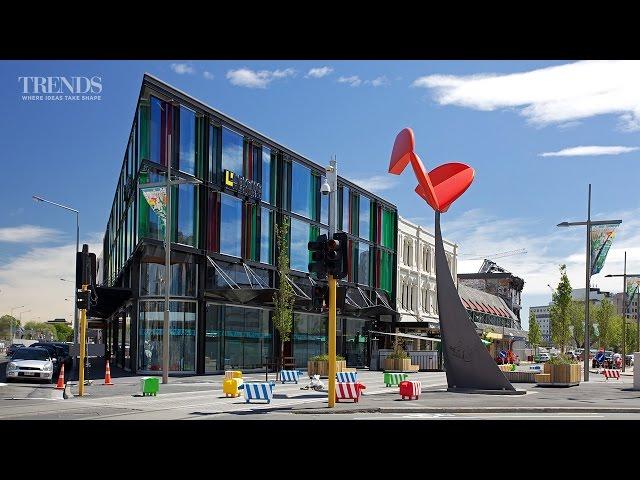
(319, 296)
(83, 300)
(318, 256)
(85, 260)
(337, 256)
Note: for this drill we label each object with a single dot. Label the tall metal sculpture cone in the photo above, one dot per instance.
(468, 364)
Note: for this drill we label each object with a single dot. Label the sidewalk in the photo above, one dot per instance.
(597, 395)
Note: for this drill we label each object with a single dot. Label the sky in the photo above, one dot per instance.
(536, 133)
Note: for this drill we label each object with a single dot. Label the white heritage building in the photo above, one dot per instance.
(416, 287)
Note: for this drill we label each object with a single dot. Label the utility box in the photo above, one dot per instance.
(149, 386)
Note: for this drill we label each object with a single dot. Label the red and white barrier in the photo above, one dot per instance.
(349, 390)
(611, 374)
(410, 388)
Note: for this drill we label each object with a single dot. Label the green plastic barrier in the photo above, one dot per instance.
(149, 386)
(391, 378)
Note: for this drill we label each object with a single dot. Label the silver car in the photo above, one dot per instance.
(30, 363)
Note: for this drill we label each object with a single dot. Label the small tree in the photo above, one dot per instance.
(284, 296)
(604, 315)
(576, 313)
(535, 335)
(64, 332)
(7, 322)
(560, 311)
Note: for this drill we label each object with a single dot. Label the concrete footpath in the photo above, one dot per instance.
(597, 395)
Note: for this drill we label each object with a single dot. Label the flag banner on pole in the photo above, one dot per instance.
(601, 238)
(156, 197)
(633, 284)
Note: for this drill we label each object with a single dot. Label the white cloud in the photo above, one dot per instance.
(376, 183)
(244, 77)
(28, 234)
(208, 75)
(33, 280)
(319, 72)
(353, 81)
(552, 95)
(379, 81)
(589, 151)
(182, 68)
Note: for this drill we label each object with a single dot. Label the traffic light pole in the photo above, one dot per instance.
(332, 180)
(83, 344)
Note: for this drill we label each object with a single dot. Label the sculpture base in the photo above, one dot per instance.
(486, 392)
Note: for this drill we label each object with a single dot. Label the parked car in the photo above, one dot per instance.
(13, 347)
(59, 353)
(30, 363)
(545, 357)
(630, 360)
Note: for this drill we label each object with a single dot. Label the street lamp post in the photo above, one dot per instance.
(24, 311)
(75, 297)
(625, 306)
(167, 265)
(11, 322)
(589, 223)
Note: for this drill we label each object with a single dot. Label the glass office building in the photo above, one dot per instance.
(223, 246)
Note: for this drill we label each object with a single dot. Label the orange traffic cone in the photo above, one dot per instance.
(60, 384)
(107, 375)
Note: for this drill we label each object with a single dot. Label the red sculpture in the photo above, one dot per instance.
(442, 185)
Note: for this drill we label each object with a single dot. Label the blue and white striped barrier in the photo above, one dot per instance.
(289, 375)
(258, 391)
(350, 377)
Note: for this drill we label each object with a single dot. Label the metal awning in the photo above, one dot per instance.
(406, 335)
(106, 300)
(256, 291)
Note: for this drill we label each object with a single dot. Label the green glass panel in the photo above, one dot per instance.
(143, 132)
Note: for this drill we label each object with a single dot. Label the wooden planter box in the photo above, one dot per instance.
(321, 367)
(543, 378)
(565, 373)
(546, 368)
(401, 364)
(521, 377)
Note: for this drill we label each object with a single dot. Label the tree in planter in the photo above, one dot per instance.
(535, 335)
(560, 311)
(284, 296)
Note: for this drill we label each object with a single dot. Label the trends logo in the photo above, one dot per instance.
(59, 89)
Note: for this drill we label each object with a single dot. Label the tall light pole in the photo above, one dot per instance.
(11, 322)
(75, 297)
(625, 306)
(24, 311)
(589, 224)
(167, 260)
(332, 183)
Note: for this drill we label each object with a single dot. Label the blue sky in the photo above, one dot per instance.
(497, 116)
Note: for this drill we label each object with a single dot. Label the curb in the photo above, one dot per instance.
(470, 410)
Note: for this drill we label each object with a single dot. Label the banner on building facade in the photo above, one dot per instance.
(601, 238)
(156, 197)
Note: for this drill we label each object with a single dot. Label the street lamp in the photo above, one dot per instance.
(11, 322)
(588, 224)
(625, 306)
(167, 266)
(24, 311)
(77, 212)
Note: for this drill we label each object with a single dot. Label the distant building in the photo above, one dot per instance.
(543, 319)
(59, 321)
(632, 310)
(595, 295)
(495, 280)
(493, 318)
